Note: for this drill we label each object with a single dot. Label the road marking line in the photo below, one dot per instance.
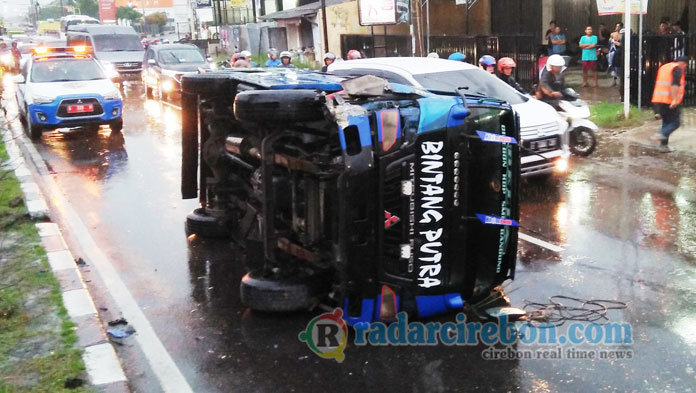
(170, 104)
(102, 364)
(163, 366)
(539, 242)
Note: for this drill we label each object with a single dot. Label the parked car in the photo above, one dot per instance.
(58, 87)
(374, 197)
(118, 46)
(164, 65)
(542, 130)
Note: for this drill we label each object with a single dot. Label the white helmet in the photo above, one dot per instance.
(556, 61)
(285, 54)
(245, 54)
(329, 55)
(433, 55)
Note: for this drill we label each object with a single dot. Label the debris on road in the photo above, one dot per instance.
(120, 321)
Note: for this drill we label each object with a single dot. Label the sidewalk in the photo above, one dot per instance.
(103, 368)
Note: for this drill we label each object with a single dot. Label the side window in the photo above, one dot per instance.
(72, 40)
(25, 69)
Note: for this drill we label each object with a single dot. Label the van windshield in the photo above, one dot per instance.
(117, 43)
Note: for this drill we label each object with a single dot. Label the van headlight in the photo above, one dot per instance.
(112, 95)
(43, 99)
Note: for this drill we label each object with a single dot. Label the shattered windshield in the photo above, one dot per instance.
(478, 81)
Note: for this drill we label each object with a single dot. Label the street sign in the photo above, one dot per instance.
(612, 7)
(377, 12)
(204, 3)
(238, 3)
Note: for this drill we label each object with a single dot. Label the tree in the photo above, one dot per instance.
(156, 18)
(128, 13)
(49, 13)
(88, 7)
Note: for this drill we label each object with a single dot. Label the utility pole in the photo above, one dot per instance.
(418, 31)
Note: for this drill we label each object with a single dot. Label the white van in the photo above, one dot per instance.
(118, 45)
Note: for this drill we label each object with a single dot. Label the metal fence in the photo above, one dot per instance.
(658, 50)
(523, 49)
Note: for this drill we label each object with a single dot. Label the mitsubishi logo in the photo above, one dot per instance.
(390, 220)
(79, 101)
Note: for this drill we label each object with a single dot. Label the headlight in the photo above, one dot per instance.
(112, 95)
(43, 99)
(167, 86)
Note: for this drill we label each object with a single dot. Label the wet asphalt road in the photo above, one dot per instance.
(624, 218)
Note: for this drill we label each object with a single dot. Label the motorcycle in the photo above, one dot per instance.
(582, 140)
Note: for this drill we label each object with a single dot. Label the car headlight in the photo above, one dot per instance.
(112, 95)
(43, 99)
(110, 69)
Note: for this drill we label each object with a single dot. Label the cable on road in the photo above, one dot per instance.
(561, 309)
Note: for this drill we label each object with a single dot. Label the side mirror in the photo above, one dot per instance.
(18, 79)
(151, 62)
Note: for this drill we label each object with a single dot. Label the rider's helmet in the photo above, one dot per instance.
(433, 55)
(329, 56)
(285, 54)
(353, 55)
(245, 54)
(506, 62)
(487, 60)
(272, 53)
(555, 61)
(457, 56)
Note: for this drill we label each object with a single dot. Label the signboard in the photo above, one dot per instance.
(612, 7)
(238, 3)
(204, 3)
(377, 12)
(403, 13)
(107, 12)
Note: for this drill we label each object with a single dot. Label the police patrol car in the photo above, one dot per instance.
(66, 87)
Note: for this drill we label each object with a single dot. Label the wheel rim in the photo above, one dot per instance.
(583, 141)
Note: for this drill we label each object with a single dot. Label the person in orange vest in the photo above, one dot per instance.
(668, 95)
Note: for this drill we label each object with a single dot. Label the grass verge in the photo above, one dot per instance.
(37, 338)
(611, 115)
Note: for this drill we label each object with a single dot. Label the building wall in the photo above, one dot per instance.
(446, 18)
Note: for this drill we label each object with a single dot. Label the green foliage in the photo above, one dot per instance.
(88, 7)
(49, 12)
(156, 18)
(611, 115)
(128, 13)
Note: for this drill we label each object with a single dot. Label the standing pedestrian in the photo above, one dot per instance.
(558, 42)
(603, 35)
(549, 33)
(667, 97)
(588, 43)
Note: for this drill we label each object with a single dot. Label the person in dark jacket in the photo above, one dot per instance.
(506, 66)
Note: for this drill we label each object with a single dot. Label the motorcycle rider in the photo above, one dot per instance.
(286, 60)
(457, 56)
(505, 67)
(487, 62)
(329, 58)
(353, 54)
(273, 60)
(552, 82)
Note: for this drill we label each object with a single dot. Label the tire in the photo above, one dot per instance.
(116, 125)
(271, 294)
(278, 106)
(33, 130)
(148, 92)
(198, 222)
(582, 141)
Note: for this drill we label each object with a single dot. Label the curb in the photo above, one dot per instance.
(102, 365)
